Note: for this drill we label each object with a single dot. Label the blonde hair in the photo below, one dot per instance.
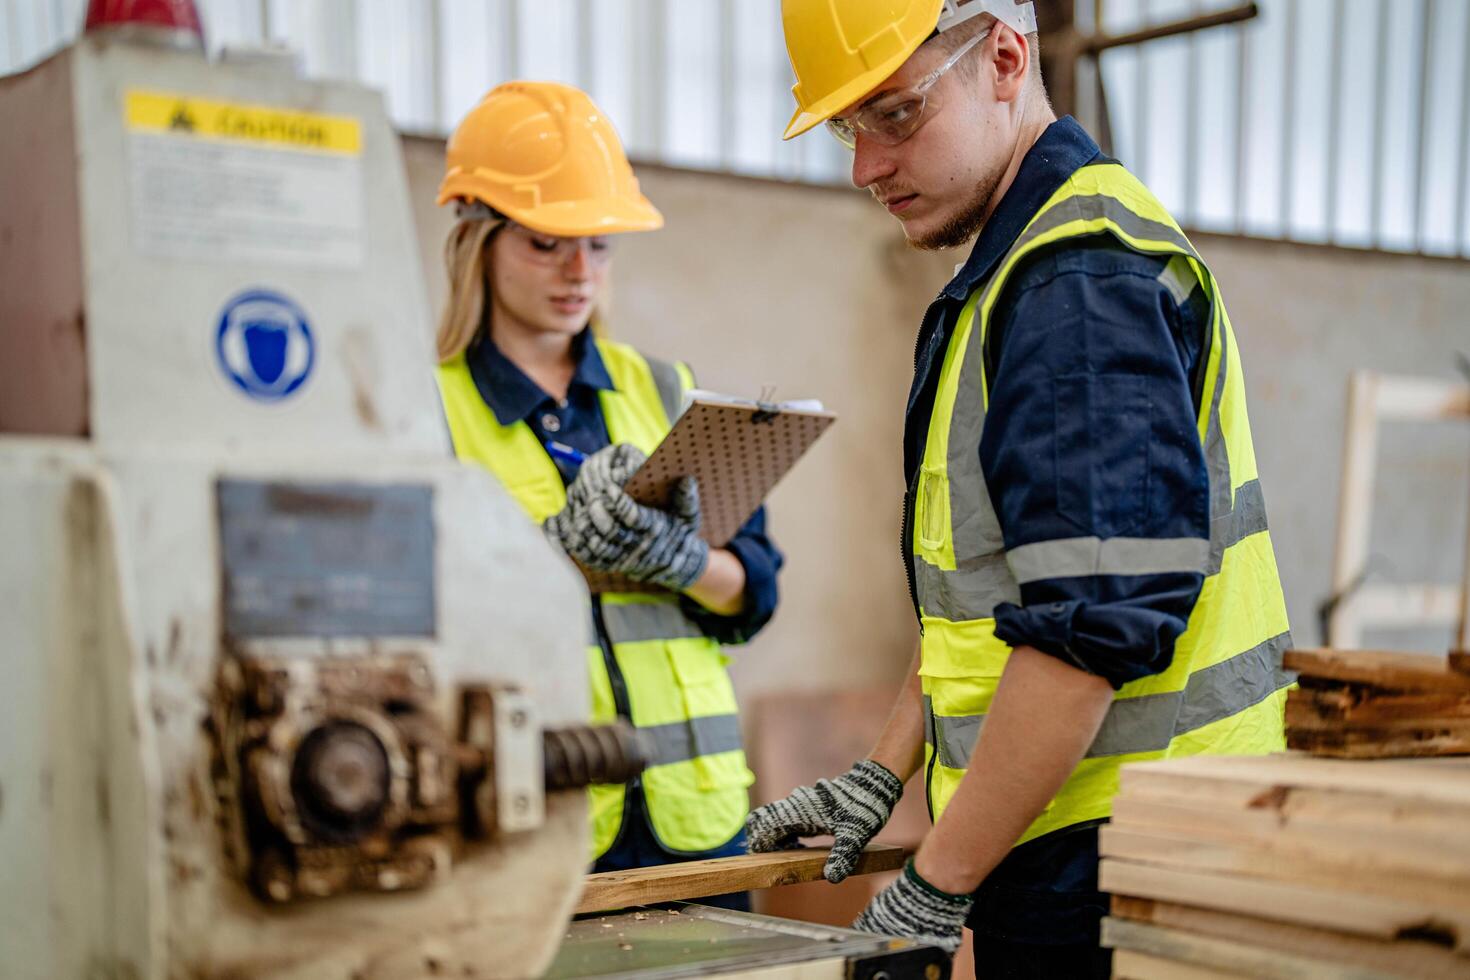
(466, 251)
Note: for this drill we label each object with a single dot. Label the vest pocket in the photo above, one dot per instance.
(931, 506)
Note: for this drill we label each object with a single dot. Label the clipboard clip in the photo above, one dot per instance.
(765, 413)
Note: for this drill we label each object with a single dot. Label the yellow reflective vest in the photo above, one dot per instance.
(647, 661)
(1224, 690)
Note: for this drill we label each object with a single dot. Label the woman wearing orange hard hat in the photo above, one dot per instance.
(563, 416)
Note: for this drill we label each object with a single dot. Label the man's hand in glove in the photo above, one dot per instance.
(852, 808)
(914, 909)
(605, 529)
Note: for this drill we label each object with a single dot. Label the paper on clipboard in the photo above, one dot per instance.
(737, 449)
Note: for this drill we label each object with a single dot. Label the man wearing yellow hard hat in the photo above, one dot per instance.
(563, 417)
(1084, 529)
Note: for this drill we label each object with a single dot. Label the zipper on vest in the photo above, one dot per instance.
(624, 708)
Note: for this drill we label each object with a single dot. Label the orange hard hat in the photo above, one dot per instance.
(545, 156)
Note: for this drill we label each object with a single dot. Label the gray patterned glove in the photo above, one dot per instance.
(852, 808)
(914, 909)
(605, 529)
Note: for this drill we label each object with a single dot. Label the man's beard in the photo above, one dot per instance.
(965, 225)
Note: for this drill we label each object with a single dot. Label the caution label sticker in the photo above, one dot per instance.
(166, 112)
(235, 182)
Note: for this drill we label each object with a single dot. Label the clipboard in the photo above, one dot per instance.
(738, 451)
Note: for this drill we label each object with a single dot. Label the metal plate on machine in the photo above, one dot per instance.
(326, 559)
(688, 940)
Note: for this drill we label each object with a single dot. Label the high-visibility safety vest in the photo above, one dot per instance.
(1224, 691)
(656, 668)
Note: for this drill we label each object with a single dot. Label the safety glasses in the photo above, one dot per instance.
(552, 250)
(894, 116)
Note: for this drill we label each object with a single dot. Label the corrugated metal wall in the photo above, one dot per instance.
(1342, 121)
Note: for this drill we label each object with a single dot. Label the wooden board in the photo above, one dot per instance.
(1460, 659)
(1388, 670)
(1357, 870)
(1357, 706)
(1192, 950)
(1445, 781)
(1404, 957)
(1326, 908)
(1130, 965)
(1382, 843)
(719, 876)
(1373, 744)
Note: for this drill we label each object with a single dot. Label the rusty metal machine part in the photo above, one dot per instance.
(581, 755)
(337, 774)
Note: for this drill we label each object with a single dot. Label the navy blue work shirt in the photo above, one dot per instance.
(577, 422)
(1090, 431)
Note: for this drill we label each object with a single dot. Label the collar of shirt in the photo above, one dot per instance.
(1062, 150)
(513, 396)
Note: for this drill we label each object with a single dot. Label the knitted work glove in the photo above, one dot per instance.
(914, 909)
(852, 808)
(605, 529)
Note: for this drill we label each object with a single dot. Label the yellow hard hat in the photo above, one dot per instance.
(545, 156)
(842, 49)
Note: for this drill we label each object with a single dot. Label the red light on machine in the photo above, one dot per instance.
(179, 15)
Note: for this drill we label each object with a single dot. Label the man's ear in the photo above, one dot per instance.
(1012, 63)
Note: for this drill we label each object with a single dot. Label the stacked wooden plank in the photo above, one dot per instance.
(1290, 866)
(1364, 704)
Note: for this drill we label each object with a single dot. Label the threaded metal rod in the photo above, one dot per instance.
(581, 755)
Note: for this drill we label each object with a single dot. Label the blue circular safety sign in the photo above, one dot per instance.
(264, 345)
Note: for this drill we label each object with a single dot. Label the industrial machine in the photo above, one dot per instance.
(287, 691)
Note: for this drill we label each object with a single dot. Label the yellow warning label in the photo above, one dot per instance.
(188, 115)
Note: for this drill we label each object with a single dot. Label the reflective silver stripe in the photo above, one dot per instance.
(1247, 517)
(681, 741)
(1148, 723)
(1090, 207)
(1217, 458)
(971, 591)
(670, 391)
(632, 622)
(1179, 279)
(1072, 557)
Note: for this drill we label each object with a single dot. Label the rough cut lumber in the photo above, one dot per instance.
(1128, 965)
(1388, 670)
(1192, 950)
(1444, 781)
(1406, 957)
(1327, 908)
(1357, 870)
(719, 876)
(1358, 706)
(1368, 743)
(1381, 842)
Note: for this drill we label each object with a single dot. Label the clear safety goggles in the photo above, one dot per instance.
(894, 116)
(552, 250)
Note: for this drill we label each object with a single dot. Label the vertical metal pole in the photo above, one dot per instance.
(1421, 154)
(1380, 107)
(586, 52)
(1140, 100)
(725, 115)
(1194, 112)
(436, 66)
(1335, 87)
(265, 20)
(1461, 221)
(510, 38)
(347, 43)
(1288, 120)
(1242, 149)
